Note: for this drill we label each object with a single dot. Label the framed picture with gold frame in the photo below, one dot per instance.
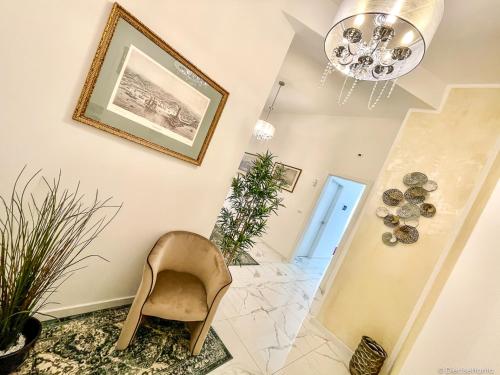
(247, 162)
(141, 89)
(290, 175)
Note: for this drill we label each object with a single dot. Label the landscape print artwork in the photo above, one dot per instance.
(149, 94)
(247, 162)
(141, 89)
(290, 176)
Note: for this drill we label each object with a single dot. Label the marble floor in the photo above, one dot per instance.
(264, 322)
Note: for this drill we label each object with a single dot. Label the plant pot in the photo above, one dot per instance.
(10, 362)
(368, 358)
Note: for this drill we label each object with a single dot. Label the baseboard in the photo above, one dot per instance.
(345, 352)
(84, 308)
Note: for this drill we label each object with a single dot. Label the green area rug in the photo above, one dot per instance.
(245, 260)
(85, 344)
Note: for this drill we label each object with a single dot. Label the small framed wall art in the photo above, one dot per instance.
(141, 89)
(247, 162)
(290, 175)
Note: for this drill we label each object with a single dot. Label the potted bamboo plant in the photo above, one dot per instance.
(254, 197)
(42, 242)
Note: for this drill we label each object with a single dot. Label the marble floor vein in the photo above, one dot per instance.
(264, 320)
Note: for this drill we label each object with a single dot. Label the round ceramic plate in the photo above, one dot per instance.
(406, 234)
(427, 210)
(391, 221)
(389, 239)
(430, 185)
(415, 194)
(408, 210)
(392, 197)
(382, 212)
(415, 179)
(411, 222)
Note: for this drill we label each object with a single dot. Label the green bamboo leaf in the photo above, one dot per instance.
(41, 242)
(254, 197)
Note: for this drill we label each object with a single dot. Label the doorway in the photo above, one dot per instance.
(335, 207)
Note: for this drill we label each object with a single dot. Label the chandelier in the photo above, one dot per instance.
(264, 130)
(379, 41)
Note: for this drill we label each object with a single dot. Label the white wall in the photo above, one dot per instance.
(463, 330)
(47, 48)
(320, 146)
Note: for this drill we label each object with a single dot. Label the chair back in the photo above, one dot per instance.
(189, 252)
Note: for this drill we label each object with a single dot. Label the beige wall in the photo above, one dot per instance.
(321, 145)
(471, 222)
(463, 328)
(377, 287)
(47, 47)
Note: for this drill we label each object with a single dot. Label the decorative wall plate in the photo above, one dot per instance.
(389, 239)
(427, 210)
(391, 221)
(392, 197)
(408, 211)
(404, 218)
(382, 212)
(430, 186)
(415, 195)
(411, 222)
(415, 179)
(406, 234)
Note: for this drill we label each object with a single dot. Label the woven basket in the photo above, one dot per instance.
(368, 358)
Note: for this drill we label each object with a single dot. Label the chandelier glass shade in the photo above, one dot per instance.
(377, 40)
(263, 131)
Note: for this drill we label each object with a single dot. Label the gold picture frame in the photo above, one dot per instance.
(290, 178)
(206, 124)
(247, 162)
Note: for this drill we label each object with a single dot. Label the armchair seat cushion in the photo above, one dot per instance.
(177, 296)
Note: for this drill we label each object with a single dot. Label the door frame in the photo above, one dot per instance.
(307, 222)
(336, 260)
(329, 211)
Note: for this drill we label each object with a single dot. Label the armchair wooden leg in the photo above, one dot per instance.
(199, 331)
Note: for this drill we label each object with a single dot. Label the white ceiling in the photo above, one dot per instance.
(466, 49)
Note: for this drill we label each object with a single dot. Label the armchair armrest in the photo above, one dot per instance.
(216, 283)
(149, 275)
(215, 288)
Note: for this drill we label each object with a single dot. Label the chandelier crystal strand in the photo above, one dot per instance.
(354, 84)
(371, 94)
(392, 88)
(379, 96)
(356, 72)
(339, 99)
(394, 81)
(329, 69)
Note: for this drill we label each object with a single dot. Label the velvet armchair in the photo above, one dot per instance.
(184, 278)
